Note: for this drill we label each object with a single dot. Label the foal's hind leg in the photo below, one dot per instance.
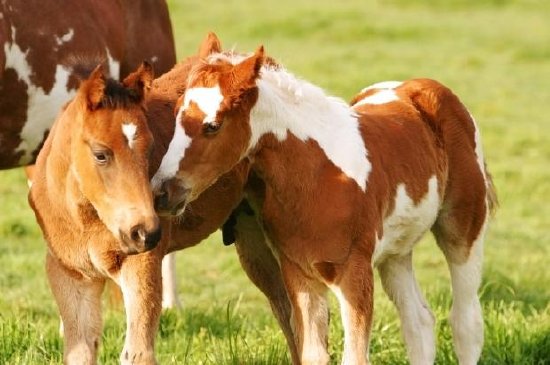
(263, 270)
(465, 264)
(79, 302)
(140, 281)
(417, 321)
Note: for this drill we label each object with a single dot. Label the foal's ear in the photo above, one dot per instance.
(246, 72)
(93, 88)
(210, 44)
(140, 81)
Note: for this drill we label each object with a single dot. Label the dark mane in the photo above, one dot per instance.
(117, 96)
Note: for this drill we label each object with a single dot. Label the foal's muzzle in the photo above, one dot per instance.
(171, 198)
(141, 237)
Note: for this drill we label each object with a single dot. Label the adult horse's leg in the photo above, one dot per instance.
(309, 315)
(263, 270)
(141, 284)
(79, 302)
(169, 282)
(417, 321)
(354, 290)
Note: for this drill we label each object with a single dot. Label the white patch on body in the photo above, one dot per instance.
(65, 38)
(383, 96)
(176, 150)
(42, 107)
(129, 131)
(288, 104)
(389, 85)
(407, 223)
(466, 317)
(208, 99)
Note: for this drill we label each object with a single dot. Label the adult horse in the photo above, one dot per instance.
(42, 45)
(342, 190)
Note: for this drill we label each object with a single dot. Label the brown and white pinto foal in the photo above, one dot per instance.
(343, 190)
(92, 199)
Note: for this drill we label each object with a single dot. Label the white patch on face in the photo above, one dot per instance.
(65, 37)
(381, 97)
(176, 150)
(129, 131)
(286, 103)
(408, 222)
(42, 107)
(208, 99)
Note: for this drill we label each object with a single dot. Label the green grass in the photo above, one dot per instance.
(494, 54)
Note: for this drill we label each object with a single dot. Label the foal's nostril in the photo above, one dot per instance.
(161, 200)
(153, 239)
(138, 233)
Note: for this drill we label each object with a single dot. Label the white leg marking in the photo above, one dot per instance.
(417, 321)
(351, 355)
(169, 282)
(466, 317)
(114, 66)
(129, 130)
(314, 310)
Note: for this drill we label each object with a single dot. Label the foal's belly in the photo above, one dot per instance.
(407, 223)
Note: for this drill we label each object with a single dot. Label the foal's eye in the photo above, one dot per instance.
(211, 127)
(101, 157)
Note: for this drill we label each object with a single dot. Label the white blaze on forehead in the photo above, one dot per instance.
(208, 99)
(176, 150)
(42, 106)
(129, 131)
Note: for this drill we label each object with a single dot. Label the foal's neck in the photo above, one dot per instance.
(287, 106)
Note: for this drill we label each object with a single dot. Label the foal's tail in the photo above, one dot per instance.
(492, 198)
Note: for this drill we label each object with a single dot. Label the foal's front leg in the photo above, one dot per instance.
(79, 302)
(141, 284)
(309, 314)
(263, 269)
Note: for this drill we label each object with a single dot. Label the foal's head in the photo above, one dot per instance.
(110, 145)
(212, 131)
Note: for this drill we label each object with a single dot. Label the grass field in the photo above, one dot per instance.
(495, 54)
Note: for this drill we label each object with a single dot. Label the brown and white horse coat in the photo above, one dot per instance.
(43, 45)
(342, 190)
